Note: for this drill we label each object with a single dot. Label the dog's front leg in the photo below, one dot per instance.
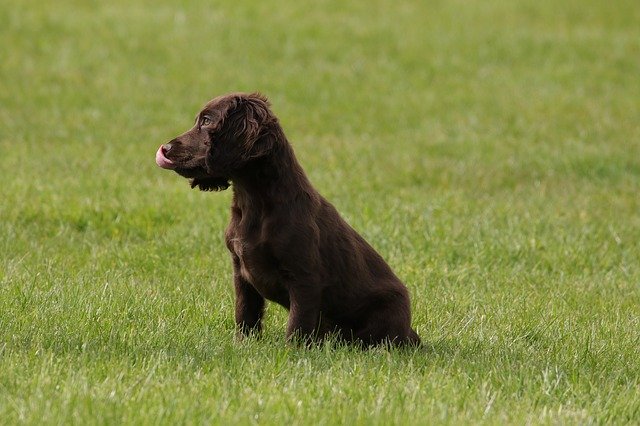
(304, 314)
(249, 304)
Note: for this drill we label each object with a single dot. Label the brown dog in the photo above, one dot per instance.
(288, 243)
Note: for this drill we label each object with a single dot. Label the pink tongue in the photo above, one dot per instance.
(163, 161)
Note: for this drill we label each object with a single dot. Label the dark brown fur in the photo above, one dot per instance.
(288, 244)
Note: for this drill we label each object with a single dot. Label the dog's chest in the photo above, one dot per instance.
(259, 267)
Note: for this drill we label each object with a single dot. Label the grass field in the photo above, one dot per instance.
(489, 150)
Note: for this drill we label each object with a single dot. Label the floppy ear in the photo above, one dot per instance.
(247, 124)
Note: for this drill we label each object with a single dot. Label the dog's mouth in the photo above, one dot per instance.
(186, 167)
(198, 178)
(162, 160)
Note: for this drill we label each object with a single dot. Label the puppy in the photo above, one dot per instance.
(288, 244)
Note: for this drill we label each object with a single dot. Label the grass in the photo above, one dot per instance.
(489, 150)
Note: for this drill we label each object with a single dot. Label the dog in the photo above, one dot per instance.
(288, 244)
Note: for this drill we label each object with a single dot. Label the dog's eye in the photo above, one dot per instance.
(205, 121)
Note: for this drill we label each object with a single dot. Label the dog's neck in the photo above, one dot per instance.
(273, 181)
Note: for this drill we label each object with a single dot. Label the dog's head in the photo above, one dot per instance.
(230, 132)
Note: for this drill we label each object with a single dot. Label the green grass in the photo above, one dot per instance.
(489, 150)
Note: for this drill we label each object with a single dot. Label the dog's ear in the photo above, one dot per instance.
(248, 124)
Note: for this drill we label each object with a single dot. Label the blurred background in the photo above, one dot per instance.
(405, 110)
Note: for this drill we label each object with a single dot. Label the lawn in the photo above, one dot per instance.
(490, 151)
